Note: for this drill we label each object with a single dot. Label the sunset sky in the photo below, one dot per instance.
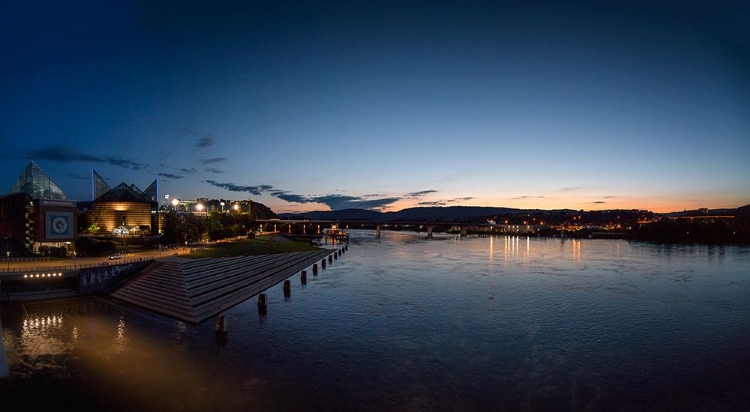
(383, 105)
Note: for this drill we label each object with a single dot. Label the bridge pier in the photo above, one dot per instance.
(429, 232)
(377, 232)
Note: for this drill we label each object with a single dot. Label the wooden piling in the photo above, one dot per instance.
(221, 324)
(262, 303)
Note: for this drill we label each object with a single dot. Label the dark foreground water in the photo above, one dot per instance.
(403, 323)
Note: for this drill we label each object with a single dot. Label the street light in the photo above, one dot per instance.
(7, 252)
(199, 207)
(236, 207)
(222, 206)
(175, 202)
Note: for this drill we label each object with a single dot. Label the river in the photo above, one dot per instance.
(404, 323)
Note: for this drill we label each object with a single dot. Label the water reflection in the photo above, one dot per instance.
(121, 340)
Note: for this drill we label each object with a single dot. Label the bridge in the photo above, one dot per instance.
(316, 226)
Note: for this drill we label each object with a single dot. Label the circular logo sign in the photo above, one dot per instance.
(59, 225)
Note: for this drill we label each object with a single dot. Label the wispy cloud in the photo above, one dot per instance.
(419, 194)
(433, 203)
(79, 177)
(64, 154)
(212, 170)
(188, 170)
(444, 202)
(526, 197)
(170, 176)
(206, 141)
(213, 160)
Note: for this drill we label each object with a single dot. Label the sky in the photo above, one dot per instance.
(308, 106)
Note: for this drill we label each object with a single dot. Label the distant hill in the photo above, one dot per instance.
(421, 214)
(473, 214)
(742, 211)
(461, 214)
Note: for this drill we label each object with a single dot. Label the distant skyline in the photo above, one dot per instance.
(307, 106)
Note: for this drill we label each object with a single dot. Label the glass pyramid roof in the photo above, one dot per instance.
(121, 192)
(34, 182)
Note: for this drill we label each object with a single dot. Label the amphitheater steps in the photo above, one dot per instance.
(193, 290)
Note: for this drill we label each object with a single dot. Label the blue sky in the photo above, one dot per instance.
(385, 105)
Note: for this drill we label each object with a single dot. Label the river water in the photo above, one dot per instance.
(403, 323)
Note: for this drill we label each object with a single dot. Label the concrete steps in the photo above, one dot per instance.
(193, 290)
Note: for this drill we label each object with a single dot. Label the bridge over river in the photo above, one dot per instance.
(317, 227)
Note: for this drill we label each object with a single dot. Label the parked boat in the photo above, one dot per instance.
(337, 233)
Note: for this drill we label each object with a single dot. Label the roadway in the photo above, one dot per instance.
(13, 266)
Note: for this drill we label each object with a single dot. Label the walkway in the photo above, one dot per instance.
(193, 290)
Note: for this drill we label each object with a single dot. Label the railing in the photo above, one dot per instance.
(74, 266)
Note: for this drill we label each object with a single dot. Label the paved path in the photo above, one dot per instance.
(3, 360)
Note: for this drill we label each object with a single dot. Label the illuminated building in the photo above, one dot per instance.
(35, 212)
(124, 209)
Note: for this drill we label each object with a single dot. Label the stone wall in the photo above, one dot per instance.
(95, 280)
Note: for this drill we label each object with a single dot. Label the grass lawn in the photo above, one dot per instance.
(248, 247)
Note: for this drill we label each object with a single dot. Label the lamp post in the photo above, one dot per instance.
(175, 202)
(199, 207)
(7, 252)
(222, 206)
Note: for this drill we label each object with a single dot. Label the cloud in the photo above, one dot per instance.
(212, 170)
(206, 141)
(188, 170)
(124, 163)
(170, 176)
(420, 194)
(600, 202)
(526, 197)
(335, 202)
(338, 202)
(213, 160)
(65, 154)
(445, 201)
(79, 177)
(255, 190)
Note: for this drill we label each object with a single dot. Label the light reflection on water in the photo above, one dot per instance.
(405, 323)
